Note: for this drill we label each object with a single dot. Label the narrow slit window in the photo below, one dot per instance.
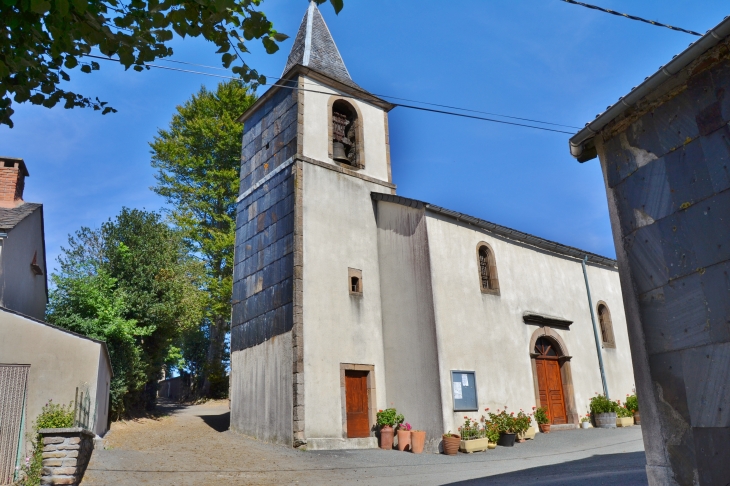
(354, 281)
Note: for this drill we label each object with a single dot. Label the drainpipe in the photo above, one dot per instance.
(595, 328)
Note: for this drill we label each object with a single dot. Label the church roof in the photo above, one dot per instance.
(314, 48)
(497, 229)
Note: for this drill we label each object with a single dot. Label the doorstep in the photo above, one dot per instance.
(555, 427)
(342, 444)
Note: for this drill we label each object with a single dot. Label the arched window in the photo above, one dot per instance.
(604, 319)
(345, 134)
(545, 348)
(488, 280)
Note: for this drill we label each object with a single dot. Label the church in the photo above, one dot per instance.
(348, 298)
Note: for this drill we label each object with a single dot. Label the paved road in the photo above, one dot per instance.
(192, 446)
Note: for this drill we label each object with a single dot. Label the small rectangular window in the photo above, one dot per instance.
(354, 281)
(464, 391)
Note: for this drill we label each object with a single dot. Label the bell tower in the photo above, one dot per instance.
(315, 147)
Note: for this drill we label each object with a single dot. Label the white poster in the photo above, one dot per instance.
(465, 379)
(457, 391)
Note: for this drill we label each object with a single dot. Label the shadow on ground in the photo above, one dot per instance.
(219, 423)
(627, 469)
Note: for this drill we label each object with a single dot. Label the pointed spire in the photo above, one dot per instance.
(314, 47)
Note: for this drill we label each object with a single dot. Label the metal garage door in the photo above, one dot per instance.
(13, 381)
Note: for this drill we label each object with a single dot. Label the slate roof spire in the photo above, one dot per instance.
(314, 48)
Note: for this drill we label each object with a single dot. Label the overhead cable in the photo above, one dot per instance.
(283, 86)
(632, 17)
(404, 99)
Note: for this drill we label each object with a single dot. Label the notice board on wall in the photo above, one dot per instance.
(464, 391)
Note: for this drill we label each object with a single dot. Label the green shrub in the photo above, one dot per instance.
(601, 404)
(52, 416)
(389, 417)
(624, 412)
(632, 403)
(541, 415)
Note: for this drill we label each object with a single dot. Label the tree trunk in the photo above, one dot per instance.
(214, 372)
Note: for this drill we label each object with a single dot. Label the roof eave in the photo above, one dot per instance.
(582, 145)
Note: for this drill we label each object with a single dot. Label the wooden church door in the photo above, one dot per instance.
(356, 402)
(549, 382)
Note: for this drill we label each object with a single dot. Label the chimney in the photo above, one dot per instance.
(12, 181)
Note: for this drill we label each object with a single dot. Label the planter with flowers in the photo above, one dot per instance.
(505, 423)
(624, 416)
(418, 440)
(523, 427)
(473, 437)
(632, 403)
(604, 412)
(404, 436)
(387, 419)
(542, 420)
(585, 422)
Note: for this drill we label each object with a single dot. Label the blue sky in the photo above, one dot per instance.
(542, 59)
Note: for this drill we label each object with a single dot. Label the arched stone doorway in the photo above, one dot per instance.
(552, 376)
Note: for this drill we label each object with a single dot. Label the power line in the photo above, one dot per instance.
(632, 17)
(463, 115)
(404, 99)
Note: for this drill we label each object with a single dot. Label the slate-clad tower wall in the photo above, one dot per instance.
(261, 343)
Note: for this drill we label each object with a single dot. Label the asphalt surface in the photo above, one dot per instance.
(192, 446)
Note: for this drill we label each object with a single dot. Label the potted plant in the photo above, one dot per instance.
(404, 436)
(387, 419)
(505, 422)
(585, 422)
(418, 440)
(632, 403)
(542, 420)
(451, 443)
(603, 411)
(492, 433)
(473, 437)
(522, 426)
(624, 416)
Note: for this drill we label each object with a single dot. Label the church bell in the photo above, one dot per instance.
(339, 154)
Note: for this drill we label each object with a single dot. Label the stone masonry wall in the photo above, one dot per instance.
(66, 453)
(668, 181)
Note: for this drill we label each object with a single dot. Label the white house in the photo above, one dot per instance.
(38, 361)
(349, 298)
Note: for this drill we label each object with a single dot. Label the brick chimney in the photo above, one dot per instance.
(12, 181)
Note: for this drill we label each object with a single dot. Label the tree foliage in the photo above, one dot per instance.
(131, 284)
(198, 160)
(42, 41)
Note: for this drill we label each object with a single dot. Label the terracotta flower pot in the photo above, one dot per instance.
(418, 440)
(451, 444)
(404, 440)
(545, 428)
(637, 418)
(386, 437)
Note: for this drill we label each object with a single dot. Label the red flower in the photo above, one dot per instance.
(512, 413)
(534, 408)
(486, 409)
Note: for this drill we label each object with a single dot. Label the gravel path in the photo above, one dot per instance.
(192, 446)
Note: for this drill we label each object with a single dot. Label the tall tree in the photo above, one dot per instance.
(133, 284)
(41, 41)
(198, 160)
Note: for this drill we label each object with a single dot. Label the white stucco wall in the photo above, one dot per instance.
(486, 333)
(59, 362)
(20, 289)
(316, 138)
(339, 231)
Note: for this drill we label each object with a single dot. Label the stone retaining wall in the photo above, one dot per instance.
(66, 453)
